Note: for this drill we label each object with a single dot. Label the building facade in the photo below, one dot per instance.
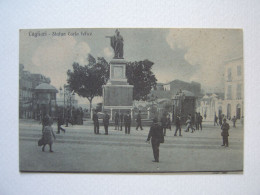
(27, 98)
(176, 85)
(234, 88)
(184, 103)
(25, 93)
(211, 105)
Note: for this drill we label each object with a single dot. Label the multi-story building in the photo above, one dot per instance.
(176, 85)
(25, 93)
(167, 90)
(234, 88)
(27, 83)
(211, 105)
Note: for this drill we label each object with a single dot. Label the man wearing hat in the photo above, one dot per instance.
(178, 125)
(156, 133)
(106, 118)
(224, 133)
(127, 120)
(96, 122)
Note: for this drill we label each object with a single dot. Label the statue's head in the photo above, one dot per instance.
(117, 32)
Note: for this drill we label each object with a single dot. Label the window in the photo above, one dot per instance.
(239, 70)
(229, 92)
(239, 91)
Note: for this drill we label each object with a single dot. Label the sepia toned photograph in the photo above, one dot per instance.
(131, 100)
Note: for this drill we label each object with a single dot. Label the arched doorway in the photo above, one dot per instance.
(238, 111)
(228, 111)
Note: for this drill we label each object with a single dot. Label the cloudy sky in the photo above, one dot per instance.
(186, 54)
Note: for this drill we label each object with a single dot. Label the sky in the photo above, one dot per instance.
(187, 54)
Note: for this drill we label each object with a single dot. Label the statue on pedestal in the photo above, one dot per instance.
(117, 43)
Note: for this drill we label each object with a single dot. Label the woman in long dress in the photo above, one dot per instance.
(48, 136)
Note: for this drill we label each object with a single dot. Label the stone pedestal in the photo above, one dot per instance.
(117, 93)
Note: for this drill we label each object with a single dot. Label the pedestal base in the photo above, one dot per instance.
(118, 95)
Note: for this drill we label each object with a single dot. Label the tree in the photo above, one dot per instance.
(87, 80)
(141, 76)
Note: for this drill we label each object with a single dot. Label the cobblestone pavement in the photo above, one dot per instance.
(80, 150)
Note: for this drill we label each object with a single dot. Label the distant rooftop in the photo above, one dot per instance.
(46, 87)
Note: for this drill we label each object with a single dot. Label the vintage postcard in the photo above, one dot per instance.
(131, 100)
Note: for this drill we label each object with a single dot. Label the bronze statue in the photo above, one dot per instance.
(117, 43)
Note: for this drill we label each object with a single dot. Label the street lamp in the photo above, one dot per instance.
(72, 94)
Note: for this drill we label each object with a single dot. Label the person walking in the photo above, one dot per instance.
(156, 133)
(116, 121)
(106, 122)
(224, 133)
(164, 123)
(200, 121)
(127, 120)
(234, 119)
(189, 124)
(121, 120)
(48, 136)
(178, 125)
(96, 122)
(45, 121)
(215, 120)
(59, 123)
(220, 119)
(139, 121)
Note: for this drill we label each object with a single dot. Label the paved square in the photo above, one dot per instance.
(80, 150)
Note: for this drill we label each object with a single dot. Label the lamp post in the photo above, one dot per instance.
(64, 101)
(71, 97)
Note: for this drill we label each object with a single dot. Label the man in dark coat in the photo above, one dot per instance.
(156, 133)
(106, 122)
(178, 125)
(127, 120)
(139, 121)
(121, 120)
(164, 123)
(116, 121)
(59, 123)
(224, 133)
(96, 122)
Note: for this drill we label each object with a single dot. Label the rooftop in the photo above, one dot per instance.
(46, 87)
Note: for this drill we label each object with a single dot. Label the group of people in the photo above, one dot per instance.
(47, 131)
(120, 121)
(196, 120)
(156, 134)
(219, 120)
(125, 120)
